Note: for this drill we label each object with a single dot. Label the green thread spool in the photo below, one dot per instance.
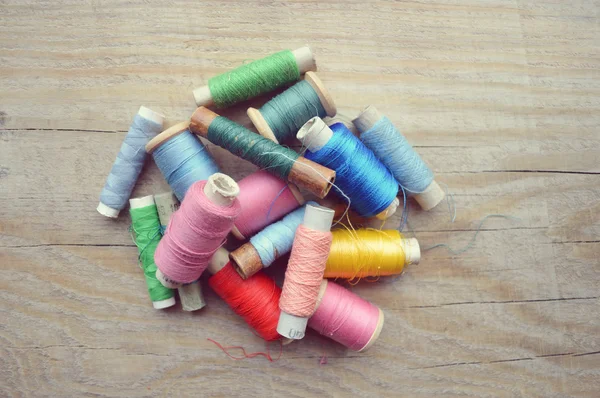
(264, 153)
(256, 78)
(258, 150)
(280, 119)
(146, 227)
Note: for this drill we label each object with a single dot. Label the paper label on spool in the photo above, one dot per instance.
(291, 326)
(166, 204)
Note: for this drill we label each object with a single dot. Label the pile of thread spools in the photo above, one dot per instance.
(267, 209)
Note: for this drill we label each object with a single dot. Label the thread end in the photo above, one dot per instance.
(107, 211)
(202, 96)
(431, 196)
(161, 305)
(314, 134)
(149, 114)
(221, 189)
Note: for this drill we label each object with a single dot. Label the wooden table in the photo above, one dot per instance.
(501, 98)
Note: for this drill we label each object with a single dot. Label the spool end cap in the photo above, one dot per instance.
(107, 211)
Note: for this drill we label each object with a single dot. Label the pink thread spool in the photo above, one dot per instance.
(262, 194)
(197, 230)
(346, 318)
(305, 271)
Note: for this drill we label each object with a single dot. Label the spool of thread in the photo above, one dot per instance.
(281, 117)
(278, 160)
(256, 299)
(379, 134)
(181, 158)
(197, 230)
(359, 175)
(130, 160)
(268, 245)
(264, 199)
(370, 252)
(256, 78)
(146, 228)
(346, 318)
(190, 295)
(305, 272)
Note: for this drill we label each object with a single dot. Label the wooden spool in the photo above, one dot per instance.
(304, 173)
(325, 98)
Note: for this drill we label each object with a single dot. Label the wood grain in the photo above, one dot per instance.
(501, 98)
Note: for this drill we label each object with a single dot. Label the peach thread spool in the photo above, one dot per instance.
(264, 199)
(305, 271)
(346, 318)
(197, 230)
(190, 294)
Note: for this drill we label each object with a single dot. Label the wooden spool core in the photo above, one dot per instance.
(304, 60)
(325, 98)
(167, 135)
(304, 173)
(246, 260)
(433, 194)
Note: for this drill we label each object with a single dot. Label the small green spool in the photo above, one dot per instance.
(253, 79)
(146, 229)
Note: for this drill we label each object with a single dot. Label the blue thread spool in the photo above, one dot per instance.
(181, 158)
(368, 184)
(280, 119)
(129, 162)
(268, 245)
(379, 134)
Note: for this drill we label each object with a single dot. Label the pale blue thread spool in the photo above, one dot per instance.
(281, 117)
(269, 244)
(379, 134)
(181, 158)
(129, 162)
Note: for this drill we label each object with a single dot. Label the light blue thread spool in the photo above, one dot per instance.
(129, 162)
(272, 242)
(280, 119)
(181, 158)
(379, 134)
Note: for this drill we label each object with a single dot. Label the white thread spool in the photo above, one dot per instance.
(137, 203)
(315, 134)
(219, 189)
(317, 218)
(304, 60)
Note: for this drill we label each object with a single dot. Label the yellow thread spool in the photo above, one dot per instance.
(370, 253)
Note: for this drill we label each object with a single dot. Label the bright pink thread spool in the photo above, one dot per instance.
(197, 230)
(264, 199)
(304, 274)
(346, 318)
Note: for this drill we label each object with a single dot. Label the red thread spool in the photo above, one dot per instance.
(255, 299)
(264, 199)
